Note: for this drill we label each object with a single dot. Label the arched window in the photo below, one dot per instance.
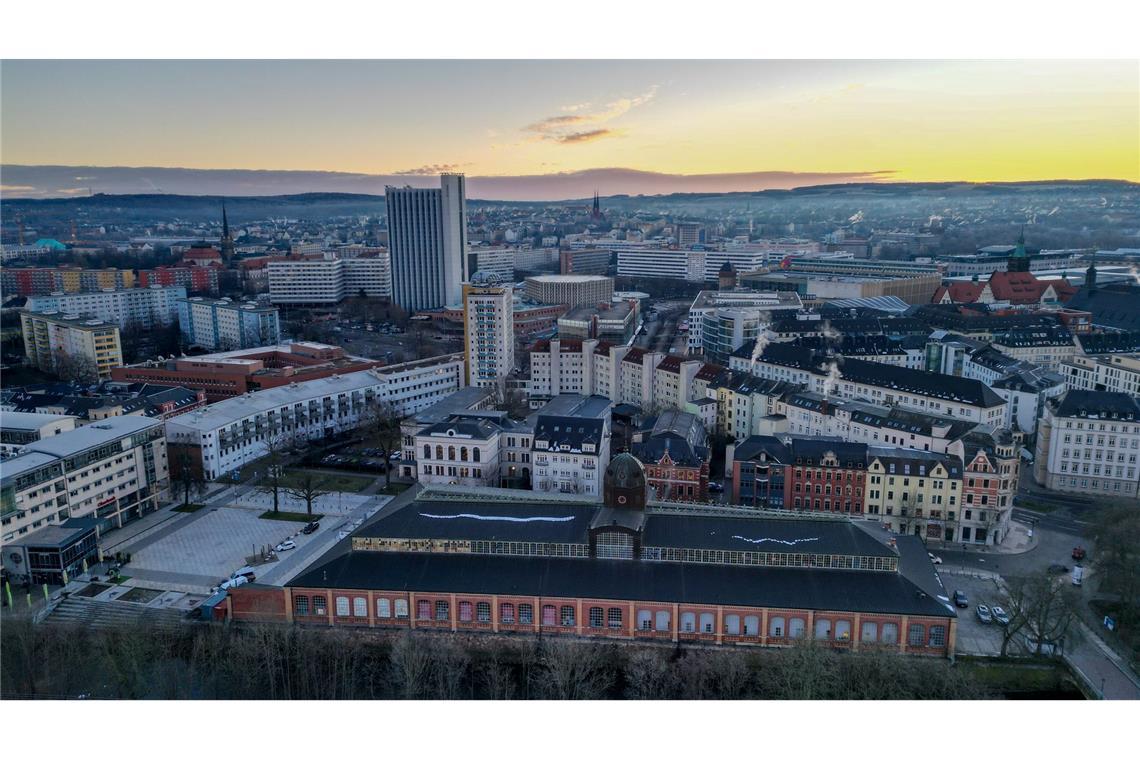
(442, 611)
(566, 615)
(342, 606)
(466, 612)
(506, 612)
(644, 620)
(383, 608)
(300, 605)
(320, 606)
(842, 630)
(423, 610)
(870, 632)
(916, 635)
(796, 628)
(359, 607)
(451, 453)
(937, 636)
(526, 614)
(438, 452)
(823, 628)
(597, 617)
(890, 633)
(732, 625)
(483, 612)
(776, 628)
(613, 617)
(475, 455)
(549, 614)
(663, 620)
(752, 625)
(401, 608)
(688, 622)
(463, 453)
(427, 451)
(707, 622)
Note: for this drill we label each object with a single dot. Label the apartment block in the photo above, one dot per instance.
(53, 340)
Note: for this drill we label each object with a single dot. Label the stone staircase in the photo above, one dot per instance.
(77, 611)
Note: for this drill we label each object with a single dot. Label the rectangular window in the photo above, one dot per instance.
(916, 635)
(383, 608)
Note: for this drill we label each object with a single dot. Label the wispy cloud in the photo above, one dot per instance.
(587, 136)
(562, 128)
(428, 169)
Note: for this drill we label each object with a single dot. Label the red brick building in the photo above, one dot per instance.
(512, 563)
(825, 476)
(674, 449)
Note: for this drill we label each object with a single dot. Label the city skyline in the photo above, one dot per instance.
(734, 124)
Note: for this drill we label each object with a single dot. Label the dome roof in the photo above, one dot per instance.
(625, 471)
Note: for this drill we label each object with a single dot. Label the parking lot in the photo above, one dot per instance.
(209, 548)
(974, 636)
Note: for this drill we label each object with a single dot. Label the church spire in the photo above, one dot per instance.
(1090, 274)
(227, 243)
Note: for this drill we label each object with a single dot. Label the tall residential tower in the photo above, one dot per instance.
(427, 239)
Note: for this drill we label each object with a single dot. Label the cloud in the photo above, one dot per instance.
(428, 169)
(19, 189)
(560, 128)
(588, 136)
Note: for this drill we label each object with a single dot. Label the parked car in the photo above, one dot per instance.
(247, 571)
(226, 585)
(960, 599)
(396, 455)
(1000, 616)
(935, 559)
(1058, 568)
(716, 488)
(311, 528)
(285, 546)
(983, 613)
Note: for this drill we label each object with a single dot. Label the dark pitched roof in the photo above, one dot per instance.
(791, 588)
(1118, 309)
(811, 451)
(680, 451)
(755, 445)
(568, 431)
(1099, 404)
(946, 387)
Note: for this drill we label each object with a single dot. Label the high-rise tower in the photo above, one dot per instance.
(427, 240)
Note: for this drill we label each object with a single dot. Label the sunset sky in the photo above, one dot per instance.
(909, 120)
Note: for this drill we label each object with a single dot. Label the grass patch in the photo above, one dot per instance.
(189, 507)
(334, 481)
(289, 516)
(1037, 506)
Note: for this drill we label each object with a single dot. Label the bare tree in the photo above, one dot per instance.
(574, 671)
(380, 427)
(411, 666)
(1116, 532)
(450, 666)
(274, 480)
(649, 675)
(1043, 605)
(187, 474)
(308, 488)
(75, 368)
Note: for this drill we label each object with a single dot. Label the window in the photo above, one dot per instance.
(441, 610)
(916, 634)
(842, 630)
(506, 613)
(423, 610)
(359, 607)
(301, 605)
(688, 622)
(466, 612)
(662, 622)
(383, 608)
(823, 629)
(776, 627)
(342, 606)
(732, 625)
(483, 612)
(870, 632)
(796, 628)
(613, 617)
(644, 620)
(463, 454)
(475, 454)
(427, 451)
(401, 608)
(549, 614)
(751, 625)
(937, 636)
(451, 453)
(526, 614)
(439, 452)
(566, 616)
(597, 617)
(707, 622)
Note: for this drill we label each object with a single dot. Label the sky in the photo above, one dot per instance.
(825, 120)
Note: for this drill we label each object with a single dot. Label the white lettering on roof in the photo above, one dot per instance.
(497, 518)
